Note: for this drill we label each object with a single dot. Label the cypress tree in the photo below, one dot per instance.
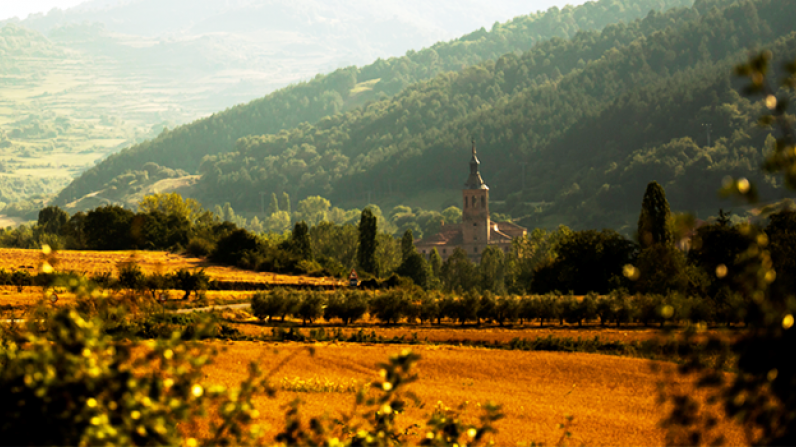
(366, 252)
(652, 223)
(407, 245)
(286, 202)
(436, 262)
(274, 208)
(301, 240)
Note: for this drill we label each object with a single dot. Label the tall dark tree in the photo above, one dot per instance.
(416, 268)
(108, 228)
(459, 272)
(52, 219)
(435, 260)
(491, 270)
(407, 245)
(653, 221)
(366, 252)
(300, 241)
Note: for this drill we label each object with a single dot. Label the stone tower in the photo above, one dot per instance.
(475, 213)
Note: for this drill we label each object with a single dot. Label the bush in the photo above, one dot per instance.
(270, 304)
(507, 309)
(130, 275)
(199, 247)
(390, 306)
(310, 308)
(348, 306)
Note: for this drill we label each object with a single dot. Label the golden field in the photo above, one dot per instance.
(612, 399)
(93, 262)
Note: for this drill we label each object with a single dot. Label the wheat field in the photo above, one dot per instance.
(612, 399)
(93, 262)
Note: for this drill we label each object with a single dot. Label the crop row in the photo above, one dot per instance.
(398, 305)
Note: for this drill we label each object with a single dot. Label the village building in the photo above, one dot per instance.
(476, 232)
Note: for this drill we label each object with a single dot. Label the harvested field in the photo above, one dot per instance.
(93, 262)
(612, 399)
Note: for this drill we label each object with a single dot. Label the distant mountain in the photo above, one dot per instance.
(346, 89)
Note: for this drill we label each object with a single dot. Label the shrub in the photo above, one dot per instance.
(429, 308)
(130, 275)
(506, 309)
(310, 308)
(199, 247)
(390, 306)
(347, 306)
(188, 281)
(270, 304)
(486, 307)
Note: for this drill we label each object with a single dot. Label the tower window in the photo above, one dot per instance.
(475, 249)
(475, 238)
(465, 202)
(473, 200)
(444, 251)
(475, 224)
(483, 201)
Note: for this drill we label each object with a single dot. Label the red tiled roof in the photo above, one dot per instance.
(449, 234)
(510, 226)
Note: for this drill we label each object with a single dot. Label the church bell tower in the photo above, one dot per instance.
(475, 213)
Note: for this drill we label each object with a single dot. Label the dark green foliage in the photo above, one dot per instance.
(108, 228)
(232, 247)
(366, 251)
(664, 269)
(717, 245)
(189, 281)
(416, 268)
(310, 308)
(131, 277)
(407, 245)
(587, 261)
(491, 270)
(486, 307)
(390, 306)
(271, 304)
(507, 309)
(53, 219)
(653, 223)
(781, 232)
(347, 306)
(435, 262)
(429, 308)
(458, 272)
(158, 231)
(300, 243)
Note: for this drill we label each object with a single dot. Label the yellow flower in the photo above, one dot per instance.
(386, 386)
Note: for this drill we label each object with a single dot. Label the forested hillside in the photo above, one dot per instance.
(595, 118)
(347, 89)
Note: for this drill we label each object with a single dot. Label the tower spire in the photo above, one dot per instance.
(474, 181)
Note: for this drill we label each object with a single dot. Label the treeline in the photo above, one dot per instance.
(324, 96)
(593, 117)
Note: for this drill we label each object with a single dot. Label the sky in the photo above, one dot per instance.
(21, 8)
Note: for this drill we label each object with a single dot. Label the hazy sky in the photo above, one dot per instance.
(21, 8)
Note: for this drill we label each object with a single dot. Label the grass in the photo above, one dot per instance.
(613, 399)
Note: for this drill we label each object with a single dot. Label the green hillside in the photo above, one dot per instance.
(347, 89)
(593, 118)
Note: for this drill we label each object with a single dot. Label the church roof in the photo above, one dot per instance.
(510, 226)
(448, 235)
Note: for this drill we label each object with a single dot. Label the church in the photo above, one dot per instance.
(476, 232)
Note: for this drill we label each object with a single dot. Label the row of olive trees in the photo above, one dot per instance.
(398, 305)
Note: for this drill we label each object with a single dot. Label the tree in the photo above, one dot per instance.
(366, 252)
(435, 260)
(108, 228)
(171, 204)
(416, 268)
(458, 272)
(285, 206)
(274, 206)
(407, 245)
(653, 223)
(491, 270)
(53, 219)
(300, 243)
